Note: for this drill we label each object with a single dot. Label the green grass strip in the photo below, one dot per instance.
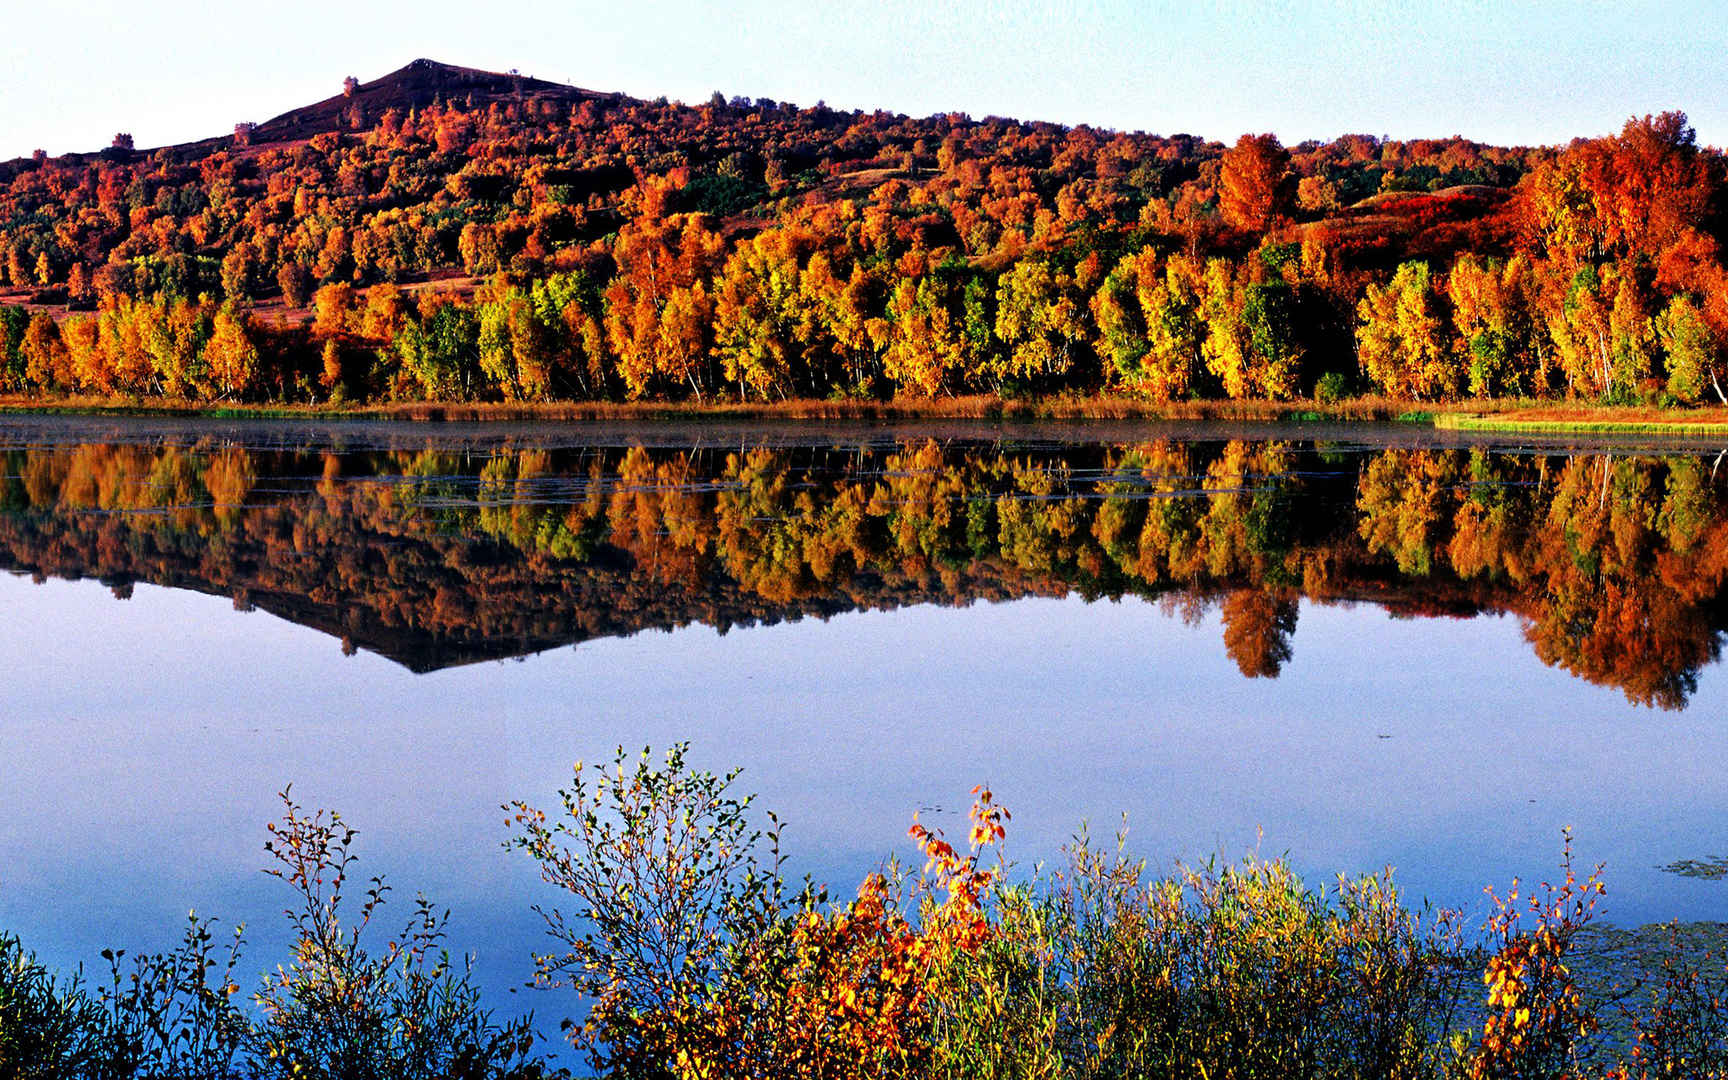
(1455, 422)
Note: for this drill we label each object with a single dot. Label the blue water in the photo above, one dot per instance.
(144, 740)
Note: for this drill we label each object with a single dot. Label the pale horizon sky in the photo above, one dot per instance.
(75, 72)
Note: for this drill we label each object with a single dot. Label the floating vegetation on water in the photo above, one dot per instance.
(1714, 868)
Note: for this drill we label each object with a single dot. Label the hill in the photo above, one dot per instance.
(454, 234)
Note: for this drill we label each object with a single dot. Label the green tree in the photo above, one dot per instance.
(1690, 351)
(441, 352)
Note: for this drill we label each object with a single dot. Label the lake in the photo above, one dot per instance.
(1360, 646)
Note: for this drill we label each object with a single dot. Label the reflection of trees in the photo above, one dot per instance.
(1615, 564)
(1257, 629)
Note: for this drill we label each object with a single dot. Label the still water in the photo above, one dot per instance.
(1361, 647)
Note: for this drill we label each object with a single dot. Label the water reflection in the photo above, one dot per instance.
(143, 741)
(449, 552)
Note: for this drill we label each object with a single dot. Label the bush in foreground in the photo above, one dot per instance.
(335, 1011)
(701, 962)
(695, 958)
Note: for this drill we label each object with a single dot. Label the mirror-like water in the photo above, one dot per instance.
(1360, 647)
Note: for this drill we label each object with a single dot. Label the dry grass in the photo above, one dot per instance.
(1501, 415)
(979, 407)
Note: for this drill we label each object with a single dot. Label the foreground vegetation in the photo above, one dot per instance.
(339, 1008)
(696, 958)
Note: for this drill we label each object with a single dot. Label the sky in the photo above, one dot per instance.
(74, 72)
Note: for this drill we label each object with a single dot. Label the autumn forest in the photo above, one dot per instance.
(447, 234)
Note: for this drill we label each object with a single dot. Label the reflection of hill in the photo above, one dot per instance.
(555, 609)
(1615, 565)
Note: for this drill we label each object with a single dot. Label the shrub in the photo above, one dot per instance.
(1331, 388)
(669, 877)
(334, 1012)
(49, 1030)
(340, 1012)
(173, 1014)
(698, 961)
(1223, 971)
(1536, 1015)
(1681, 1026)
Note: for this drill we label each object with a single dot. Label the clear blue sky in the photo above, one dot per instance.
(73, 72)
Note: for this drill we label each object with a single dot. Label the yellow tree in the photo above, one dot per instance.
(686, 337)
(756, 312)
(478, 247)
(926, 350)
(1631, 337)
(1225, 346)
(1691, 353)
(330, 374)
(1401, 341)
(504, 319)
(842, 316)
(230, 357)
(656, 259)
(1149, 325)
(88, 362)
(384, 314)
(333, 305)
(1494, 320)
(1579, 325)
(1039, 319)
(174, 334)
(121, 348)
(44, 354)
(1250, 342)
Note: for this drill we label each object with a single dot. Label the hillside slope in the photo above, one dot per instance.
(454, 234)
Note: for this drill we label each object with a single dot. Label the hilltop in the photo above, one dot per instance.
(445, 233)
(416, 85)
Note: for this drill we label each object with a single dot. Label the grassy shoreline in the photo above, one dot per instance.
(1510, 416)
(978, 407)
(1588, 421)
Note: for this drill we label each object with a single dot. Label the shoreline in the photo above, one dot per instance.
(978, 407)
(1477, 416)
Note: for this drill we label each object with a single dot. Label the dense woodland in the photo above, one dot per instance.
(1617, 566)
(455, 235)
